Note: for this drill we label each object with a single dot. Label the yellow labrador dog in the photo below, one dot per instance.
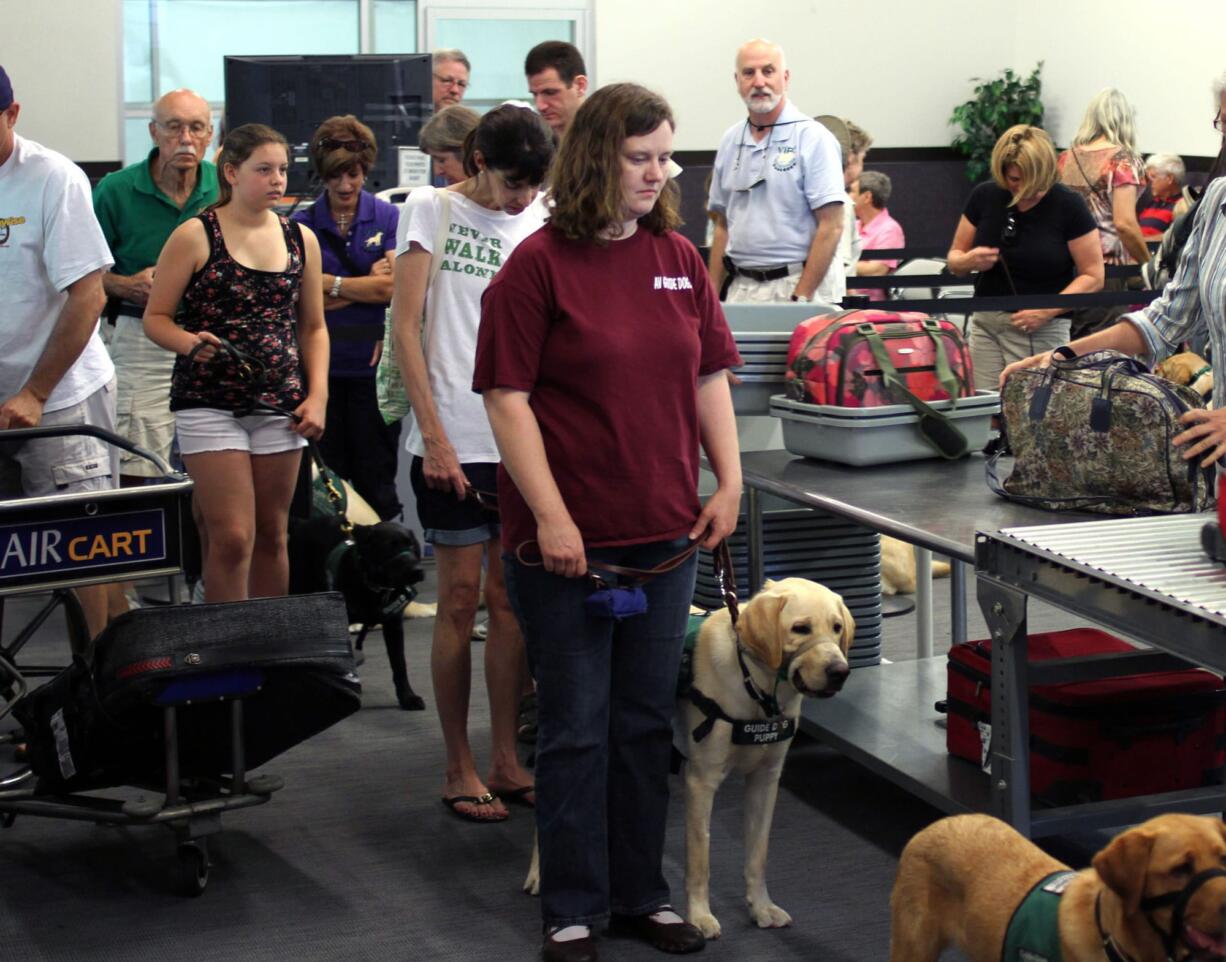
(795, 635)
(1156, 892)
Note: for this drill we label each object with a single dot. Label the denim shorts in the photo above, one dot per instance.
(449, 521)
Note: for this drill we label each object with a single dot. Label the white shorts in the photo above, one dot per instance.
(211, 429)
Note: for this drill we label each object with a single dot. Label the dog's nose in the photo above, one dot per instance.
(836, 675)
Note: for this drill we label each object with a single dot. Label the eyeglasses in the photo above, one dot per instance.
(1009, 233)
(451, 81)
(175, 128)
(353, 146)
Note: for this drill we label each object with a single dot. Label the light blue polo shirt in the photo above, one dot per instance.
(769, 190)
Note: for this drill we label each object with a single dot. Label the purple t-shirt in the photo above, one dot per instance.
(353, 330)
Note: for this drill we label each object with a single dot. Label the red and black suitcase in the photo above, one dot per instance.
(1097, 740)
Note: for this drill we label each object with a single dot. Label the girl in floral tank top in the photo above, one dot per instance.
(255, 311)
(242, 274)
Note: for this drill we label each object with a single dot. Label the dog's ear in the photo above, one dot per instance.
(849, 627)
(758, 627)
(1123, 865)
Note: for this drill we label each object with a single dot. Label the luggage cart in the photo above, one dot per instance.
(174, 701)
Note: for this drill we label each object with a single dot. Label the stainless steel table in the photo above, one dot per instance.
(885, 717)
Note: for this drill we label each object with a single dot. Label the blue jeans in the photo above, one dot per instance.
(605, 694)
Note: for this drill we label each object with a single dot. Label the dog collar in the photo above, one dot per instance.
(1207, 369)
(1113, 952)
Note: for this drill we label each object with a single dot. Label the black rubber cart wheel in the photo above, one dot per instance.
(191, 871)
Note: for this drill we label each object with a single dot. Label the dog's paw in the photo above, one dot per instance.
(769, 916)
(706, 923)
(410, 701)
(532, 884)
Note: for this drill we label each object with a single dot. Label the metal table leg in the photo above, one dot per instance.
(1004, 609)
(757, 566)
(957, 601)
(923, 602)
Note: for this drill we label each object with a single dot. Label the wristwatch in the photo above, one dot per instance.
(336, 287)
(805, 300)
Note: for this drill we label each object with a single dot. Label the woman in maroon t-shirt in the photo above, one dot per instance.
(601, 357)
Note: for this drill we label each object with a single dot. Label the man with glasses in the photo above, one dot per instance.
(451, 69)
(777, 189)
(138, 208)
(53, 367)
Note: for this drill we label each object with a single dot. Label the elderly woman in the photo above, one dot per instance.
(442, 138)
(357, 238)
(1023, 233)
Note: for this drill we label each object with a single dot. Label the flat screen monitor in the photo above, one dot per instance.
(390, 93)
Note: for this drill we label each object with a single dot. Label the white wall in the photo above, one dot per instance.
(64, 58)
(897, 67)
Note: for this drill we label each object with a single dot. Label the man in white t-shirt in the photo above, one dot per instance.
(53, 367)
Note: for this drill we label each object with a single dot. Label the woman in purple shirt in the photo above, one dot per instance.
(357, 241)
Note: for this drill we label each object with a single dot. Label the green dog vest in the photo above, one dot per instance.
(1034, 932)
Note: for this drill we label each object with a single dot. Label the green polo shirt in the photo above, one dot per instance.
(137, 217)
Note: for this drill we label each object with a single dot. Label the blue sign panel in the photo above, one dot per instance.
(81, 545)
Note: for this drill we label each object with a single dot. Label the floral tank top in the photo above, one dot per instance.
(257, 312)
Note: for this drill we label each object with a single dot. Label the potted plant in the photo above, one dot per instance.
(997, 105)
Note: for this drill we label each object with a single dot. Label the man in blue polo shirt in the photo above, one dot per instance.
(138, 208)
(777, 191)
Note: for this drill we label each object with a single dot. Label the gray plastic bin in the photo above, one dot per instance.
(876, 435)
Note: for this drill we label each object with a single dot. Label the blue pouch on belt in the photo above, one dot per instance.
(616, 603)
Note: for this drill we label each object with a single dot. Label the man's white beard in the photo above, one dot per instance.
(759, 106)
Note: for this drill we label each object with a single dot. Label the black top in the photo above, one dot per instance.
(1037, 257)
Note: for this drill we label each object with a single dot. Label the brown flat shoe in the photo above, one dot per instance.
(572, 950)
(676, 937)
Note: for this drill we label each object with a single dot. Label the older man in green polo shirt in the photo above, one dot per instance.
(138, 208)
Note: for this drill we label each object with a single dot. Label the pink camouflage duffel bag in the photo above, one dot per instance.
(838, 359)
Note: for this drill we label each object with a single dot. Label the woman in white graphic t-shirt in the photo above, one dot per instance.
(450, 243)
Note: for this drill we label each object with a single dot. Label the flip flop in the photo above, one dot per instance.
(451, 801)
(517, 796)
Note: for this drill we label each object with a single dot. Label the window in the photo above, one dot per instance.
(181, 43)
(496, 40)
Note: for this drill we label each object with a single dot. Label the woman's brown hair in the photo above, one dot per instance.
(241, 143)
(585, 184)
(332, 146)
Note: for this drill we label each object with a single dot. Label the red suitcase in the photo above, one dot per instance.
(1097, 740)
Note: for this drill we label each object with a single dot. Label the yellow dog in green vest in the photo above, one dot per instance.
(1156, 892)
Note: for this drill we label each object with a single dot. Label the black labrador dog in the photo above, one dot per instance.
(376, 575)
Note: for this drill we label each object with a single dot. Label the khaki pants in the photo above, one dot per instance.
(996, 343)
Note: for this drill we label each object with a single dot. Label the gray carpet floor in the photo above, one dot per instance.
(356, 859)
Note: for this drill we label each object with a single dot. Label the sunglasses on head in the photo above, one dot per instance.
(1009, 233)
(354, 146)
